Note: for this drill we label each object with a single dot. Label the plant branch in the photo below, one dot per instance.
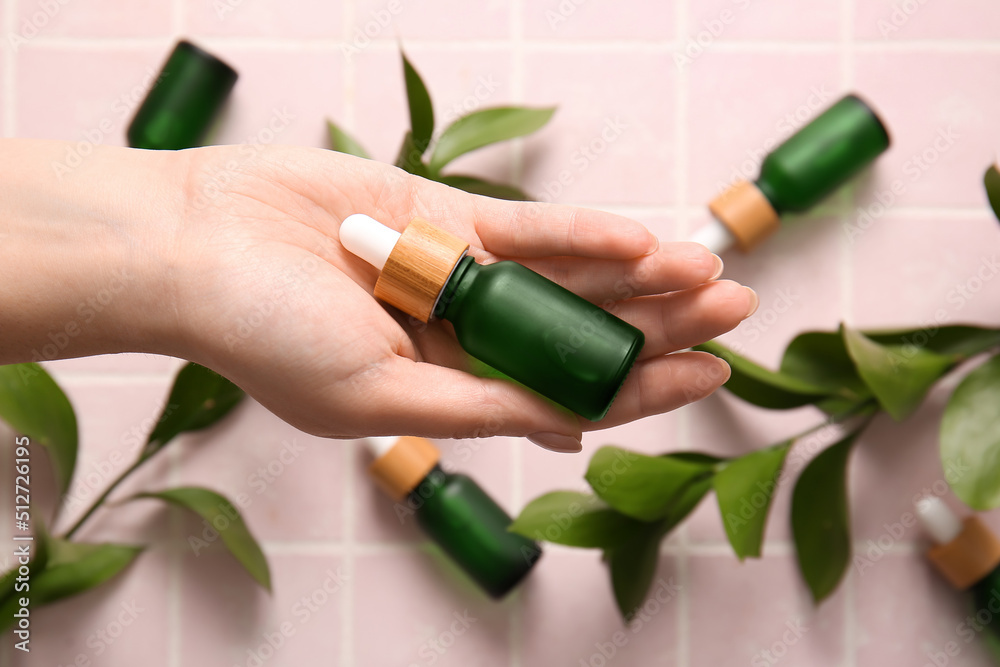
(100, 499)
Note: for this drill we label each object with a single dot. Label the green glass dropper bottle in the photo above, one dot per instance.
(967, 554)
(505, 315)
(183, 101)
(807, 167)
(454, 512)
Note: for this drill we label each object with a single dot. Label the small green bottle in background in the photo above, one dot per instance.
(967, 554)
(506, 315)
(807, 167)
(183, 102)
(454, 512)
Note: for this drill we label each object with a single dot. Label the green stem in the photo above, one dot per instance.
(97, 503)
(836, 420)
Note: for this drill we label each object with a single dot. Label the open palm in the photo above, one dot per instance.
(268, 297)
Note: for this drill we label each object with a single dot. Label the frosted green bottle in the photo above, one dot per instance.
(183, 102)
(795, 176)
(504, 314)
(454, 512)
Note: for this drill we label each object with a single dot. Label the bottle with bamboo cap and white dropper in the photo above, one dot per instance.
(504, 314)
(795, 176)
(454, 512)
(967, 554)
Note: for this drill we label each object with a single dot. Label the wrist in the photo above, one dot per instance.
(87, 251)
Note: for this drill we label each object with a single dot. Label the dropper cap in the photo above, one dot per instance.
(401, 464)
(416, 265)
(966, 551)
(742, 215)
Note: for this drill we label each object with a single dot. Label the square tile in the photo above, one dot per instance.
(762, 610)
(946, 273)
(82, 96)
(228, 619)
(570, 616)
(488, 461)
(267, 18)
(479, 79)
(612, 139)
(894, 20)
(121, 622)
(737, 114)
(414, 607)
(281, 97)
(939, 121)
(287, 484)
(99, 18)
(451, 20)
(745, 19)
(908, 615)
(599, 19)
(125, 363)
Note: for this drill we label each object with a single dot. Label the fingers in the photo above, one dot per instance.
(662, 384)
(683, 319)
(432, 401)
(534, 229)
(674, 266)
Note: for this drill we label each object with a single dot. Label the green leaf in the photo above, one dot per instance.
(574, 519)
(820, 359)
(485, 127)
(820, 519)
(761, 387)
(72, 568)
(643, 487)
(478, 186)
(959, 340)
(632, 566)
(342, 142)
(745, 488)
(970, 438)
(199, 398)
(899, 377)
(421, 109)
(408, 158)
(33, 404)
(39, 548)
(223, 516)
(991, 180)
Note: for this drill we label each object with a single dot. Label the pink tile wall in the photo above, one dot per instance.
(697, 90)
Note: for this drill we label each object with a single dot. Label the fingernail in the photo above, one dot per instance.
(556, 442)
(719, 266)
(754, 301)
(654, 244)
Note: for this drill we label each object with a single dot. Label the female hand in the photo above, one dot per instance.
(240, 269)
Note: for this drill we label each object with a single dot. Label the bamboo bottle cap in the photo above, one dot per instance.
(401, 469)
(418, 268)
(973, 554)
(746, 212)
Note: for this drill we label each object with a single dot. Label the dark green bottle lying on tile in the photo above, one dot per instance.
(454, 512)
(797, 175)
(183, 102)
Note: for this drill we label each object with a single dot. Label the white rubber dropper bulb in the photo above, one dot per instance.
(715, 236)
(368, 238)
(379, 445)
(938, 519)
